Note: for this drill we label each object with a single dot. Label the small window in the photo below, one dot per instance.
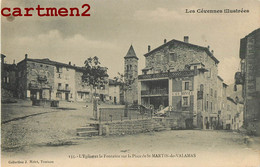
(59, 85)
(58, 95)
(186, 87)
(215, 94)
(41, 65)
(158, 58)
(211, 92)
(201, 87)
(173, 57)
(185, 101)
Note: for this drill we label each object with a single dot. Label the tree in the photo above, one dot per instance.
(125, 84)
(95, 76)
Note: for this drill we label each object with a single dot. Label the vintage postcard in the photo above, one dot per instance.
(130, 83)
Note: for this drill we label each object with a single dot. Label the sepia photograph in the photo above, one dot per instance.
(130, 83)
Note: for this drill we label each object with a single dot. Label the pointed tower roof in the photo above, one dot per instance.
(131, 53)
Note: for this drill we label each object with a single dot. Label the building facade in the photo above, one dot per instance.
(8, 78)
(51, 80)
(249, 78)
(115, 92)
(221, 102)
(182, 76)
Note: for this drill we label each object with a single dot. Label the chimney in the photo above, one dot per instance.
(149, 48)
(165, 41)
(74, 65)
(212, 51)
(13, 61)
(208, 46)
(186, 39)
(26, 56)
(70, 63)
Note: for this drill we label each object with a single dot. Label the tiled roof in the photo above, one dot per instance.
(131, 53)
(185, 43)
(10, 67)
(232, 100)
(54, 63)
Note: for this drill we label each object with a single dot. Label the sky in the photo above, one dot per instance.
(116, 24)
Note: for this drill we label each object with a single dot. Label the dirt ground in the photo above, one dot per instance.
(49, 139)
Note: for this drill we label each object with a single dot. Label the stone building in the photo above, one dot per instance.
(131, 76)
(51, 80)
(233, 117)
(182, 76)
(8, 78)
(221, 102)
(249, 78)
(115, 92)
(84, 91)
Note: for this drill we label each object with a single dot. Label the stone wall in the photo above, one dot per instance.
(36, 70)
(185, 54)
(6, 93)
(179, 120)
(252, 77)
(128, 127)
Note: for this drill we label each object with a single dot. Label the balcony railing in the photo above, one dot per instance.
(185, 73)
(61, 88)
(155, 92)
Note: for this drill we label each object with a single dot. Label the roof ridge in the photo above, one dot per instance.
(194, 45)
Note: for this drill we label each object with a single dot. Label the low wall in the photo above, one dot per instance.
(6, 93)
(179, 120)
(127, 127)
(119, 114)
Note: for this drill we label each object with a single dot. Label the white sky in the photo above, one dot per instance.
(116, 24)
